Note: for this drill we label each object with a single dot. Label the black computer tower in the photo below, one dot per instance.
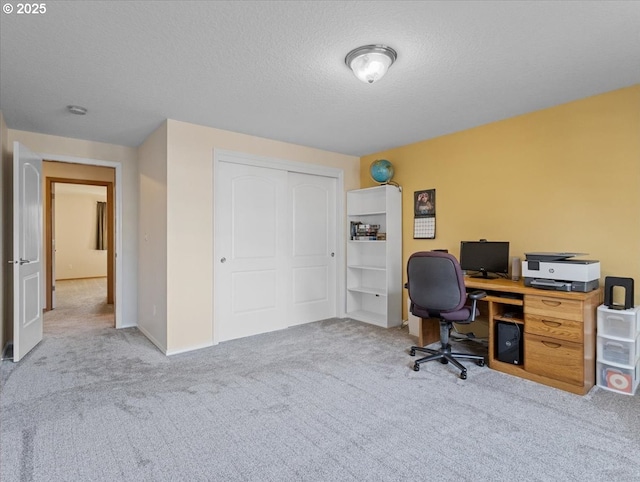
(509, 346)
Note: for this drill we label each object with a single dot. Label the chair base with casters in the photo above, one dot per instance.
(444, 354)
(437, 290)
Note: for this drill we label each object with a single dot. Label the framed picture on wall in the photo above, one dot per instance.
(424, 203)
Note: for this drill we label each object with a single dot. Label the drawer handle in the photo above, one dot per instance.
(552, 303)
(551, 344)
(554, 324)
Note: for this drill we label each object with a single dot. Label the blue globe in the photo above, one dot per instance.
(381, 171)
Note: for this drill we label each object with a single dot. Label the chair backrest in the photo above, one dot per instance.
(435, 282)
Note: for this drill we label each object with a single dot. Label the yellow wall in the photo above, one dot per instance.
(565, 178)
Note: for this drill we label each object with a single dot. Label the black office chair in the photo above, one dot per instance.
(436, 290)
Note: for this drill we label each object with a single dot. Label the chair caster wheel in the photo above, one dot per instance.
(463, 375)
(416, 367)
(480, 363)
(444, 361)
(412, 352)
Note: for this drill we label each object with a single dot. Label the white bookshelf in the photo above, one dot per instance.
(374, 267)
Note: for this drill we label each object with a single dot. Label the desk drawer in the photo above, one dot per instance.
(555, 307)
(553, 358)
(549, 326)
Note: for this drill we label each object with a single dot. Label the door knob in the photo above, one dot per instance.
(21, 262)
(333, 254)
(222, 260)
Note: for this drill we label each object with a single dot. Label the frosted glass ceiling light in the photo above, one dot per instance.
(76, 109)
(371, 62)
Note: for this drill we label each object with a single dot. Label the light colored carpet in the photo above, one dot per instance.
(328, 401)
(81, 305)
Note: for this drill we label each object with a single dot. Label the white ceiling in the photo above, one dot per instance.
(276, 69)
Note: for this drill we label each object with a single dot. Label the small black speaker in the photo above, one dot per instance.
(509, 343)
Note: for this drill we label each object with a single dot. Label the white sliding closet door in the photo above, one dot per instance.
(251, 234)
(313, 262)
(275, 235)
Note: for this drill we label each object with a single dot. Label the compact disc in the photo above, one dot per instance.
(618, 381)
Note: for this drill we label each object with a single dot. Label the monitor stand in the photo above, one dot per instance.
(484, 275)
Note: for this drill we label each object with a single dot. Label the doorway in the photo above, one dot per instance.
(80, 270)
(29, 235)
(81, 180)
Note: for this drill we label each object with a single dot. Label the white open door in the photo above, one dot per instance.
(27, 251)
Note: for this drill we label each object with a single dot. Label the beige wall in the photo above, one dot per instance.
(152, 237)
(190, 219)
(76, 220)
(560, 179)
(6, 279)
(48, 145)
(67, 170)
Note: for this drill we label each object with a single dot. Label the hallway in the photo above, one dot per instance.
(80, 306)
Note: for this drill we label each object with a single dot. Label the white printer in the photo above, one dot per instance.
(556, 271)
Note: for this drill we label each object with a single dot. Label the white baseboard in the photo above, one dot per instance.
(127, 326)
(160, 346)
(7, 352)
(188, 349)
(167, 352)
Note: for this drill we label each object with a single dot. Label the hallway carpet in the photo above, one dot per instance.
(81, 304)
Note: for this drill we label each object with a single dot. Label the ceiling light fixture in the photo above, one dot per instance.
(370, 62)
(76, 109)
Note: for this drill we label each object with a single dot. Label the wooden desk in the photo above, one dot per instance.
(559, 331)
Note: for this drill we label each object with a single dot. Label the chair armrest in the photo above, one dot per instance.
(475, 296)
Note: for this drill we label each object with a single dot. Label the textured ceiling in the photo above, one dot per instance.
(276, 69)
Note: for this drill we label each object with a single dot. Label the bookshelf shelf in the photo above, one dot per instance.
(374, 274)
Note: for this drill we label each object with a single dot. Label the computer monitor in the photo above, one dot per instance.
(486, 257)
